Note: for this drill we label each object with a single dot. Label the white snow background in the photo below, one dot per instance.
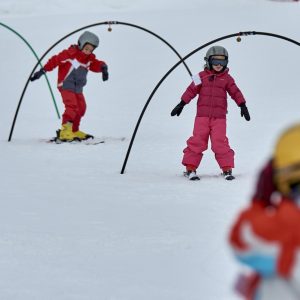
(71, 226)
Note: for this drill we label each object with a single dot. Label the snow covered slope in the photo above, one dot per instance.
(72, 227)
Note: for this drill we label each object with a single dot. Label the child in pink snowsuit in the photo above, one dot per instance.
(211, 86)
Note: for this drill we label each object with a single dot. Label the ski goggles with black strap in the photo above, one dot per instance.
(216, 62)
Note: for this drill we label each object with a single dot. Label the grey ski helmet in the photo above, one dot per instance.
(88, 38)
(212, 51)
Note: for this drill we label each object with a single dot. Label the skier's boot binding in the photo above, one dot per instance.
(81, 136)
(66, 134)
(228, 175)
(191, 175)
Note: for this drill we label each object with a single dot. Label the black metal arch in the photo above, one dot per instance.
(109, 23)
(182, 60)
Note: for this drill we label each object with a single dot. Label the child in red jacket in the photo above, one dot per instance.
(266, 235)
(73, 65)
(211, 86)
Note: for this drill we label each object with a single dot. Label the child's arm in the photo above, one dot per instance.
(238, 97)
(235, 92)
(190, 93)
(55, 60)
(99, 66)
(187, 96)
(52, 63)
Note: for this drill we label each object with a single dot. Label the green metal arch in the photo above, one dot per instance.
(34, 53)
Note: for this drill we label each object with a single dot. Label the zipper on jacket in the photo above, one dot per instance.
(211, 96)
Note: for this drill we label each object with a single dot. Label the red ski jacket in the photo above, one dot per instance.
(212, 89)
(259, 231)
(73, 66)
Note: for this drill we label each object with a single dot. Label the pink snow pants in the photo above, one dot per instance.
(205, 128)
(75, 108)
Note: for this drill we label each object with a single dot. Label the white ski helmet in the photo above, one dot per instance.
(88, 38)
(213, 51)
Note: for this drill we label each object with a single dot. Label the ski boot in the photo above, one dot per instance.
(81, 136)
(228, 175)
(65, 134)
(191, 175)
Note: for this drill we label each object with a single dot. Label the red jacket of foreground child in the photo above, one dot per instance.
(267, 239)
(212, 89)
(269, 232)
(73, 66)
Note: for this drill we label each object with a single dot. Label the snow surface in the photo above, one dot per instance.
(72, 227)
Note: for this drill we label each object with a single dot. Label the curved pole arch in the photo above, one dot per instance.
(36, 56)
(238, 35)
(109, 23)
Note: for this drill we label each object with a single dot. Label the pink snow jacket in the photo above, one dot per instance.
(212, 89)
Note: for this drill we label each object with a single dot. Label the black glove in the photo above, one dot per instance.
(245, 112)
(104, 73)
(178, 109)
(37, 74)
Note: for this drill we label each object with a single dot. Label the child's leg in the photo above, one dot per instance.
(81, 108)
(220, 144)
(197, 143)
(71, 107)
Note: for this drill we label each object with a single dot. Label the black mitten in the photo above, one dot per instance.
(104, 73)
(245, 112)
(37, 74)
(178, 109)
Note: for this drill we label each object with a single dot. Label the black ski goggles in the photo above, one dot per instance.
(216, 62)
